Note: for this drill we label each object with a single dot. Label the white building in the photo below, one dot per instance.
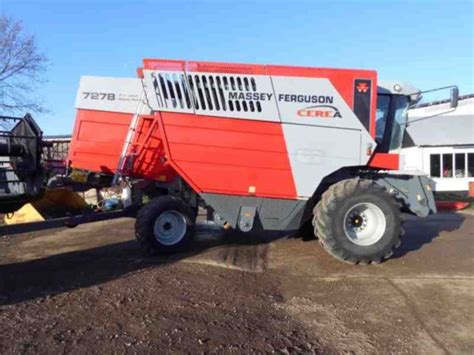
(442, 146)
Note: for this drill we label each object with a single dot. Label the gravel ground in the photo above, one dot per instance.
(90, 289)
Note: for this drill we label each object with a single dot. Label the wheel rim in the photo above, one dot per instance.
(169, 228)
(364, 224)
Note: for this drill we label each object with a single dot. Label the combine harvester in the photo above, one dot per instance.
(260, 147)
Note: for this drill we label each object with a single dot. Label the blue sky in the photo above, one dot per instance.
(428, 43)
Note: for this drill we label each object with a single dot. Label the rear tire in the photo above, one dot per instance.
(357, 221)
(165, 225)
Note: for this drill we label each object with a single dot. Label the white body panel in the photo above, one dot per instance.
(247, 97)
(313, 154)
(322, 135)
(109, 94)
(291, 93)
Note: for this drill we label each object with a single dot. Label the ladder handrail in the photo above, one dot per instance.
(129, 138)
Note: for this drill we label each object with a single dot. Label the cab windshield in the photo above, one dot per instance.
(390, 121)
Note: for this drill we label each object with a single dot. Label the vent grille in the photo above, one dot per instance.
(205, 92)
(172, 90)
(210, 92)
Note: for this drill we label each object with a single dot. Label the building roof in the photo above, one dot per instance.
(436, 124)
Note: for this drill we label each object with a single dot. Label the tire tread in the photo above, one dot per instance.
(328, 204)
(147, 214)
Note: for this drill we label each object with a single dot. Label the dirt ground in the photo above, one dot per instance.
(90, 289)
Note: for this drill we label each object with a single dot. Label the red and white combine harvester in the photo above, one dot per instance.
(260, 147)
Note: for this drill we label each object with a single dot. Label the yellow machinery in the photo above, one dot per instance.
(55, 203)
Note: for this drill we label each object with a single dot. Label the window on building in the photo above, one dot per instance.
(447, 165)
(470, 164)
(459, 165)
(435, 165)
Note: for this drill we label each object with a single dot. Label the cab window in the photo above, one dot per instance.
(399, 122)
(383, 104)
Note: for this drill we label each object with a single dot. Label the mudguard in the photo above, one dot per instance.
(414, 191)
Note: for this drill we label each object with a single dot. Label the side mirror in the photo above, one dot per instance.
(454, 97)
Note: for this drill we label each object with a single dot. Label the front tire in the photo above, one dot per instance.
(357, 222)
(164, 226)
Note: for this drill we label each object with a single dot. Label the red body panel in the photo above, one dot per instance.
(385, 161)
(206, 67)
(97, 140)
(148, 152)
(229, 156)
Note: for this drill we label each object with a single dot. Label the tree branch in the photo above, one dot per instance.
(21, 67)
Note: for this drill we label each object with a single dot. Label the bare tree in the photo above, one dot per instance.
(21, 68)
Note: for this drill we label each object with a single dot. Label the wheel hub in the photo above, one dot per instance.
(364, 224)
(357, 221)
(169, 227)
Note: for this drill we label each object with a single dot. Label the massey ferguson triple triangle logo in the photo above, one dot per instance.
(362, 87)
(320, 111)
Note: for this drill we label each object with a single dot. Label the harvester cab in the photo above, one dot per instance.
(393, 100)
